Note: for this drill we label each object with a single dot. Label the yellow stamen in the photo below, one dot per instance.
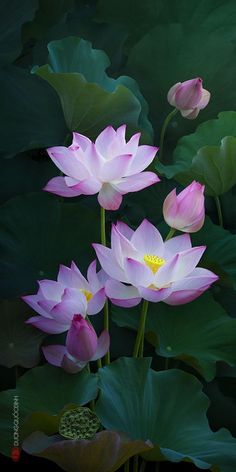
(154, 262)
(87, 294)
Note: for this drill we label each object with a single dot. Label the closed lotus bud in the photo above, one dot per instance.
(186, 211)
(189, 97)
(81, 340)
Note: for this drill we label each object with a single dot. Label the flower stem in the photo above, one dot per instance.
(103, 227)
(170, 234)
(135, 464)
(141, 329)
(219, 211)
(126, 466)
(143, 466)
(163, 131)
(106, 310)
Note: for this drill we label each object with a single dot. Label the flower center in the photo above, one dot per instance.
(87, 294)
(153, 262)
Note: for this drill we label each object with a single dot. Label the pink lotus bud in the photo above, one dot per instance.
(186, 211)
(81, 340)
(189, 97)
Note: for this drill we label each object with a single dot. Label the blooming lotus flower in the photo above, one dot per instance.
(186, 211)
(189, 97)
(156, 270)
(111, 167)
(82, 346)
(58, 301)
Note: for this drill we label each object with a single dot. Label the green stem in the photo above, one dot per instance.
(106, 309)
(141, 328)
(126, 466)
(143, 466)
(219, 211)
(166, 363)
(163, 131)
(99, 363)
(103, 227)
(135, 464)
(170, 234)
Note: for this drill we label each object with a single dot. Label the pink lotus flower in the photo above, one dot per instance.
(186, 211)
(58, 301)
(82, 346)
(189, 97)
(110, 167)
(156, 270)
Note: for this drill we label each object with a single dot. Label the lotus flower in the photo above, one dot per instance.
(82, 346)
(189, 97)
(58, 301)
(186, 211)
(110, 167)
(156, 270)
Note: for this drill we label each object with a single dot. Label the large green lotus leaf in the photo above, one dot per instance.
(215, 166)
(199, 333)
(19, 342)
(168, 408)
(139, 17)
(47, 15)
(208, 134)
(105, 453)
(38, 233)
(12, 16)
(222, 410)
(171, 53)
(24, 173)
(220, 254)
(77, 72)
(45, 389)
(31, 115)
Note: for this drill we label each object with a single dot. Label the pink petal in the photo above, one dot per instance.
(92, 277)
(124, 229)
(68, 163)
(103, 344)
(109, 263)
(122, 295)
(79, 281)
(73, 302)
(179, 266)
(115, 168)
(51, 289)
(93, 161)
(104, 139)
(54, 354)
(154, 295)
(147, 239)
(142, 159)
(132, 145)
(188, 94)
(80, 141)
(89, 186)
(72, 366)
(184, 296)
(171, 94)
(109, 198)
(81, 340)
(170, 208)
(120, 134)
(47, 325)
(96, 304)
(121, 246)
(58, 186)
(65, 276)
(190, 114)
(205, 99)
(136, 182)
(177, 244)
(138, 274)
(32, 301)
